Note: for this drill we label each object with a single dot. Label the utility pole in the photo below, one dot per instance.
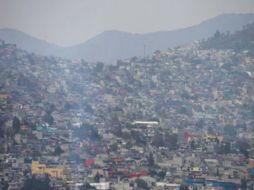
(144, 51)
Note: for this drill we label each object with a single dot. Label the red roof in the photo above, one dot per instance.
(89, 162)
(138, 174)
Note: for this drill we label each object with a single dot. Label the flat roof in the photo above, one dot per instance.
(145, 122)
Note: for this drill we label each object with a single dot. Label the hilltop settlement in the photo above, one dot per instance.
(180, 119)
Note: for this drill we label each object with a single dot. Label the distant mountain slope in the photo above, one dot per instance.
(239, 41)
(27, 42)
(112, 45)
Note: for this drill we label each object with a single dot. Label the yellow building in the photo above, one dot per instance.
(38, 168)
(209, 137)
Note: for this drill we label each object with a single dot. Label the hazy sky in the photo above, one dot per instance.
(68, 22)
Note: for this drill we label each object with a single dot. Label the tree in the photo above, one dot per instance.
(97, 177)
(158, 140)
(193, 145)
(184, 187)
(48, 118)
(217, 172)
(243, 184)
(4, 185)
(217, 34)
(157, 52)
(16, 124)
(138, 137)
(141, 184)
(58, 150)
(87, 131)
(88, 108)
(150, 160)
(114, 147)
(171, 141)
(134, 59)
(50, 108)
(162, 174)
(38, 184)
(227, 147)
(117, 131)
(210, 130)
(99, 67)
(243, 148)
(87, 186)
(152, 171)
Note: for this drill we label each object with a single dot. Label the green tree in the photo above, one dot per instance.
(171, 141)
(87, 131)
(141, 184)
(138, 137)
(193, 145)
(58, 150)
(50, 108)
(38, 184)
(158, 140)
(97, 177)
(150, 160)
(114, 147)
(217, 34)
(162, 174)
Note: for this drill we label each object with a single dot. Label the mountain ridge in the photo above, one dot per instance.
(26, 41)
(114, 44)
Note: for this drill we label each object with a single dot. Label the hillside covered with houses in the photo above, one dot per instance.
(179, 119)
